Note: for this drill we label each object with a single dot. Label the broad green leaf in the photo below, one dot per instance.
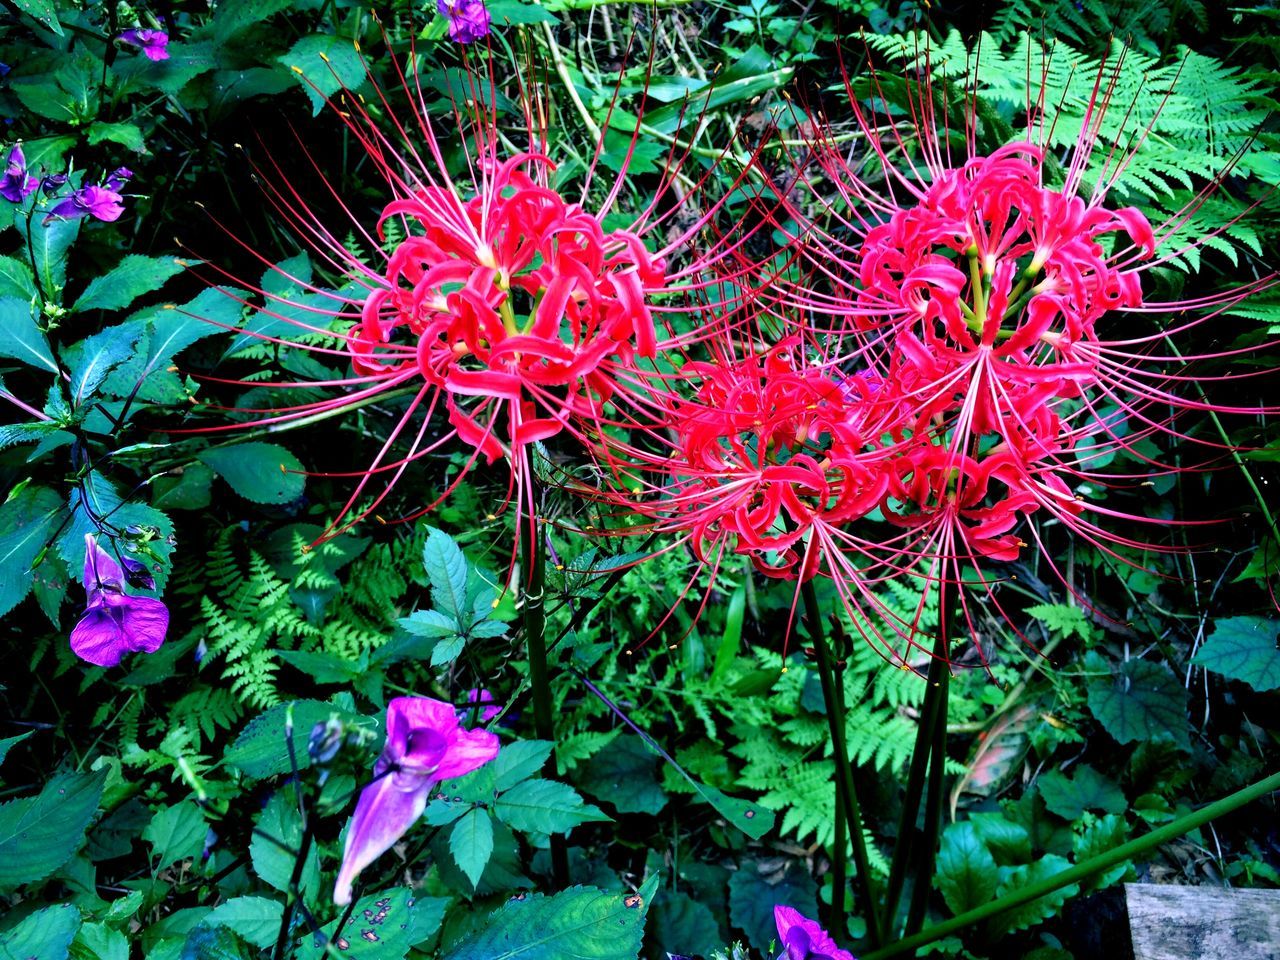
(471, 843)
(1243, 648)
(8, 743)
(966, 874)
(447, 571)
(186, 62)
(20, 338)
(683, 926)
(176, 833)
(431, 624)
(324, 65)
(39, 834)
(286, 286)
(126, 134)
(261, 472)
(625, 775)
(43, 935)
(16, 280)
(1095, 837)
(1086, 789)
(92, 359)
(447, 651)
(1142, 701)
(102, 499)
(383, 926)
(43, 12)
(26, 524)
(273, 849)
(209, 942)
(544, 806)
(731, 639)
(1029, 914)
(254, 919)
(49, 244)
(581, 922)
(262, 749)
(129, 279)
(519, 761)
(752, 898)
(97, 941)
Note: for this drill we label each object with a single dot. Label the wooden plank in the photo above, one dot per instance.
(1169, 922)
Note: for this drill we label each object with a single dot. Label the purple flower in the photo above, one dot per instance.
(479, 695)
(468, 19)
(114, 623)
(425, 744)
(119, 177)
(16, 184)
(152, 42)
(803, 939)
(101, 202)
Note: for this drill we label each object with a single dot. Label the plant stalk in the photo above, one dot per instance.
(1081, 871)
(928, 850)
(846, 792)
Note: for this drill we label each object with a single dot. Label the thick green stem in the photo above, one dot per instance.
(846, 792)
(533, 555)
(933, 806)
(1081, 871)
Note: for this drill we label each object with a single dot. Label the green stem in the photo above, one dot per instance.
(846, 792)
(533, 554)
(1081, 871)
(933, 805)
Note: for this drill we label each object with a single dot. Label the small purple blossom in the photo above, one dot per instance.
(803, 939)
(488, 711)
(153, 43)
(100, 202)
(17, 184)
(425, 744)
(468, 19)
(114, 623)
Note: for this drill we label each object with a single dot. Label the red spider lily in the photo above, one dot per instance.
(511, 302)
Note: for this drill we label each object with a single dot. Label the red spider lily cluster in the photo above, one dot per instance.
(971, 334)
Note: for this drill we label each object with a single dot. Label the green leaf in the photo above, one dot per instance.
(752, 898)
(750, 76)
(383, 926)
(1017, 878)
(43, 935)
(92, 359)
(1062, 618)
(20, 338)
(49, 245)
(273, 849)
(208, 942)
(1096, 836)
(324, 65)
(1143, 701)
(446, 569)
(44, 12)
(9, 742)
(625, 775)
(16, 280)
(683, 925)
(97, 941)
(581, 922)
(254, 919)
(966, 873)
(1085, 790)
(1243, 648)
(261, 472)
(447, 650)
(26, 524)
(176, 833)
(129, 279)
(471, 843)
(519, 761)
(126, 134)
(39, 834)
(262, 749)
(544, 806)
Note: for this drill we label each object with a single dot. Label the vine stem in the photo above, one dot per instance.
(846, 792)
(1081, 871)
(533, 554)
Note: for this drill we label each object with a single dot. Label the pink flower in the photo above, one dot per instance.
(425, 744)
(802, 938)
(114, 623)
(153, 43)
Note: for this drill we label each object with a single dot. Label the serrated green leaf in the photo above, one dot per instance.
(324, 65)
(44, 12)
(581, 922)
(254, 919)
(1095, 837)
(26, 524)
(208, 942)
(126, 134)
(49, 245)
(8, 743)
(176, 833)
(1086, 789)
(129, 279)
(1029, 914)
(16, 280)
(966, 874)
(39, 834)
(92, 359)
(471, 843)
(262, 748)
(519, 761)
(273, 849)
(446, 569)
(383, 926)
(43, 935)
(446, 651)
(20, 338)
(1142, 701)
(97, 941)
(261, 472)
(544, 806)
(626, 775)
(752, 898)
(1243, 648)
